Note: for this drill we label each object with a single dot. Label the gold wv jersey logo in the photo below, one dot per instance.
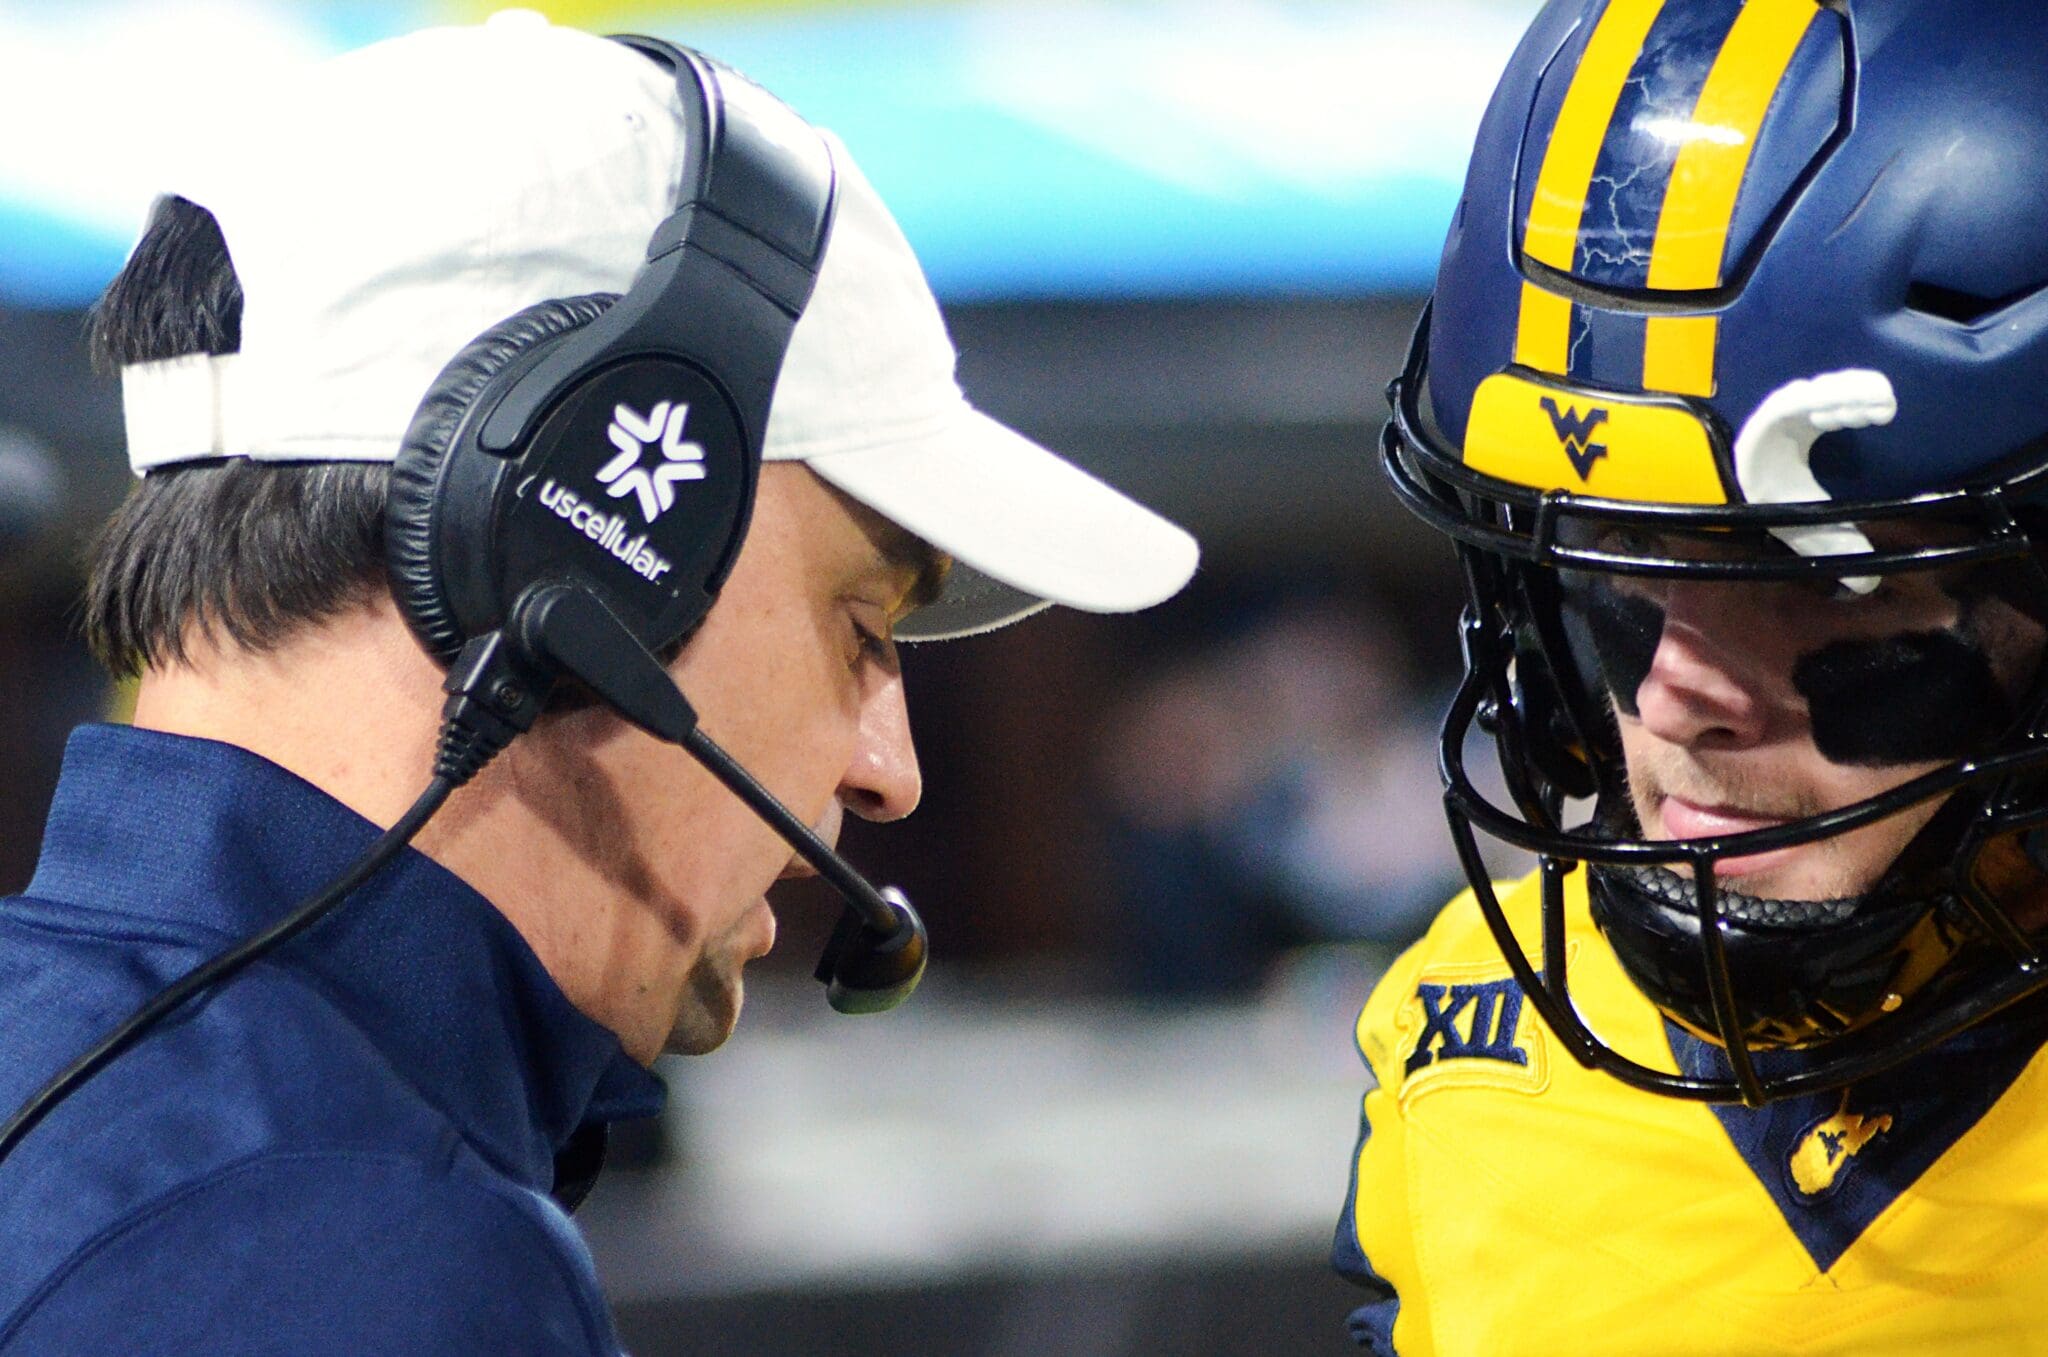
(1827, 1148)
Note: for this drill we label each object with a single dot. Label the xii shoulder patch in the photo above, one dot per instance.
(1468, 1025)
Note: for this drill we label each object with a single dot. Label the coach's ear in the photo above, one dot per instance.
(418, 516)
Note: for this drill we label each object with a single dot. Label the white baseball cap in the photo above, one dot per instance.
(384, 208)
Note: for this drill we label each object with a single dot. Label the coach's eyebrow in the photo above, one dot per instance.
(908, 552)
(902, 552)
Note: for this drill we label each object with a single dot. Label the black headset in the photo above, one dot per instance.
(514, 436)
(573, 491)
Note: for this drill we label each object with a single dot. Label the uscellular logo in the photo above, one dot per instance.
(607, 530)
(631, 433)
(654, 487)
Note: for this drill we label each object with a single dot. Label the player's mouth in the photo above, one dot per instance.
(1679, 818)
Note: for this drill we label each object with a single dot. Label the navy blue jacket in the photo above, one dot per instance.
(350, 1148)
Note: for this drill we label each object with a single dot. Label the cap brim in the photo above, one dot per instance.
(1025, 527)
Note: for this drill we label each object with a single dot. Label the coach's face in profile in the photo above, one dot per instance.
(640, 879)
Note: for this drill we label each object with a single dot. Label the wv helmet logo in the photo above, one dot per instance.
(656, 486)
(1575, 431)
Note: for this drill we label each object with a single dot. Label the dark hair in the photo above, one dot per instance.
(247, 552)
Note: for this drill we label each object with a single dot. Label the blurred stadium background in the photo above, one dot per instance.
(1162, 858)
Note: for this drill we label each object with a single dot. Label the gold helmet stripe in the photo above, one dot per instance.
(1552, 235)
(1543, 333)
(1699, 205)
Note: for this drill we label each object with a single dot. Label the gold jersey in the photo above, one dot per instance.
(1506, 1200)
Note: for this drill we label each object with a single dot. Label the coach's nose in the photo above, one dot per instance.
(882, 780)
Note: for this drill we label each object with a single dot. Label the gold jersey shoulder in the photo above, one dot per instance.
(1519, 1203)
(1449, 1013)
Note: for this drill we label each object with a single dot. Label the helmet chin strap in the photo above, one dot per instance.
(1669, 886)
(1802, 971)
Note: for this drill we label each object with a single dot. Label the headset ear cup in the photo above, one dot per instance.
(413, 512)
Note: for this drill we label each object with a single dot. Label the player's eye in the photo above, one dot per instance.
(1627, 541)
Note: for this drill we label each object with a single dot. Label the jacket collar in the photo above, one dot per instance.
(182, 835)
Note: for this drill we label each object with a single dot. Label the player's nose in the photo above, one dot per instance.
(1704, 688)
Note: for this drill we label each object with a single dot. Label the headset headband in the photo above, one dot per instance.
(757, 198)
(500, 492)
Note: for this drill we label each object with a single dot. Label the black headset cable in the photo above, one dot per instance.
(488, 706)
(223, 967)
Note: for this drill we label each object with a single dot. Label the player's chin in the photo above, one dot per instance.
(1838, 867)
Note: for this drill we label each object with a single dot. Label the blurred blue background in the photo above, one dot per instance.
(1072, 148)
(1162, 857)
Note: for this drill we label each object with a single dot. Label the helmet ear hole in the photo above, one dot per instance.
(1548, 734)
(1961, 305)
(1558, 708)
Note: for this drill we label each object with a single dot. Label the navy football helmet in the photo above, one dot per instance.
(1753, 291)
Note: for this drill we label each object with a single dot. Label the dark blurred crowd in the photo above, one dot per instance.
(1271, 790)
